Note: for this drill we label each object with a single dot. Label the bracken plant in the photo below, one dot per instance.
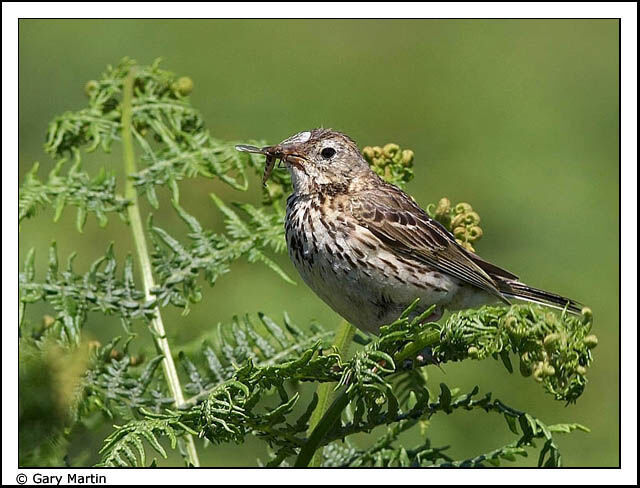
(242, 378)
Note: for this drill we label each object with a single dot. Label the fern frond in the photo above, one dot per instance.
(125, 446)
(118, 385)
(553, 348)
(72, 296)
(266, 354)
(170, 133)
(243, 377)
(393, 164)
(95, 195)
(384, 453)
(178, 266)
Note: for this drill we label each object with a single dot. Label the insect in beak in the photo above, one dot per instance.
(270, 162)
(272, 153)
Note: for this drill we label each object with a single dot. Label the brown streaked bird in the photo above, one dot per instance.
(368, 250)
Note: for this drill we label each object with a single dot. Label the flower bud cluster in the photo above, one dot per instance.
(390, 162)
(461, 220)
(555, 349)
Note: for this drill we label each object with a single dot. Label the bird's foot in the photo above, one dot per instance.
(423, 358)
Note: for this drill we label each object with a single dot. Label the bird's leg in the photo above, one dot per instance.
(436, 315)
(425, 356)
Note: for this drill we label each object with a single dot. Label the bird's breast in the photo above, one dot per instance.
(350, 269)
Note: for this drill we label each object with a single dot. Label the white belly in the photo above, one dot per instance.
(365, 290)
(350, 269)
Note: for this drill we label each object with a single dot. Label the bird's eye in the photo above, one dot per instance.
(328, 152)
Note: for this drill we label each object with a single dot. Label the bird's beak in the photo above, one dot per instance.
(251, 149)
(283, 152)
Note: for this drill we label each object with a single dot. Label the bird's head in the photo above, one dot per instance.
(316, 158)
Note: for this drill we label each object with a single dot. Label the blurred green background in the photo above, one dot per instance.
(517, 117)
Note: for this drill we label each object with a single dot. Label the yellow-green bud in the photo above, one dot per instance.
(467, 246)
(548, 370)
(551, 318)
(590, 341)
(136, 360)
(444, 206)
(390, 150)
(48, 321)
(471, 218)
(183, 85)
(91, 87)
(407, 157)
(538, 371)
(463, 208)
(459, 232)
(510, 322)
(377, 158)
(368, 153)
(581, 370)
(458, 221)
(475, 233)
(473, 352)
(587, 314)
(551, 341)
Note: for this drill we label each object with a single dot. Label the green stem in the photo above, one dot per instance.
(334, 412)
(21, 308)
(342, 341)
(330, 417)
(137, 228)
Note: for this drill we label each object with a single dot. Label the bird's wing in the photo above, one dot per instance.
(404, 228)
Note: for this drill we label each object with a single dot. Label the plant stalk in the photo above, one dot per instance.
(332, 414)
(342, 341)
(137, 229)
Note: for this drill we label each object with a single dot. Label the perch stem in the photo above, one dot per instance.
(342, 341)
(328, 418)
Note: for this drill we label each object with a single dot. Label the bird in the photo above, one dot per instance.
(368, 250)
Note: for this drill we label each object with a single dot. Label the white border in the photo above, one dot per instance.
(284, 10)
(627, 11)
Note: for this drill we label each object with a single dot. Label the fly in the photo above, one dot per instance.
(270, 162)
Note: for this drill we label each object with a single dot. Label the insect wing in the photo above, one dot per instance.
(249, 149)
(268, 168)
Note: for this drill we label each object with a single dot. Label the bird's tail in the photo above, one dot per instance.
(520, 291)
